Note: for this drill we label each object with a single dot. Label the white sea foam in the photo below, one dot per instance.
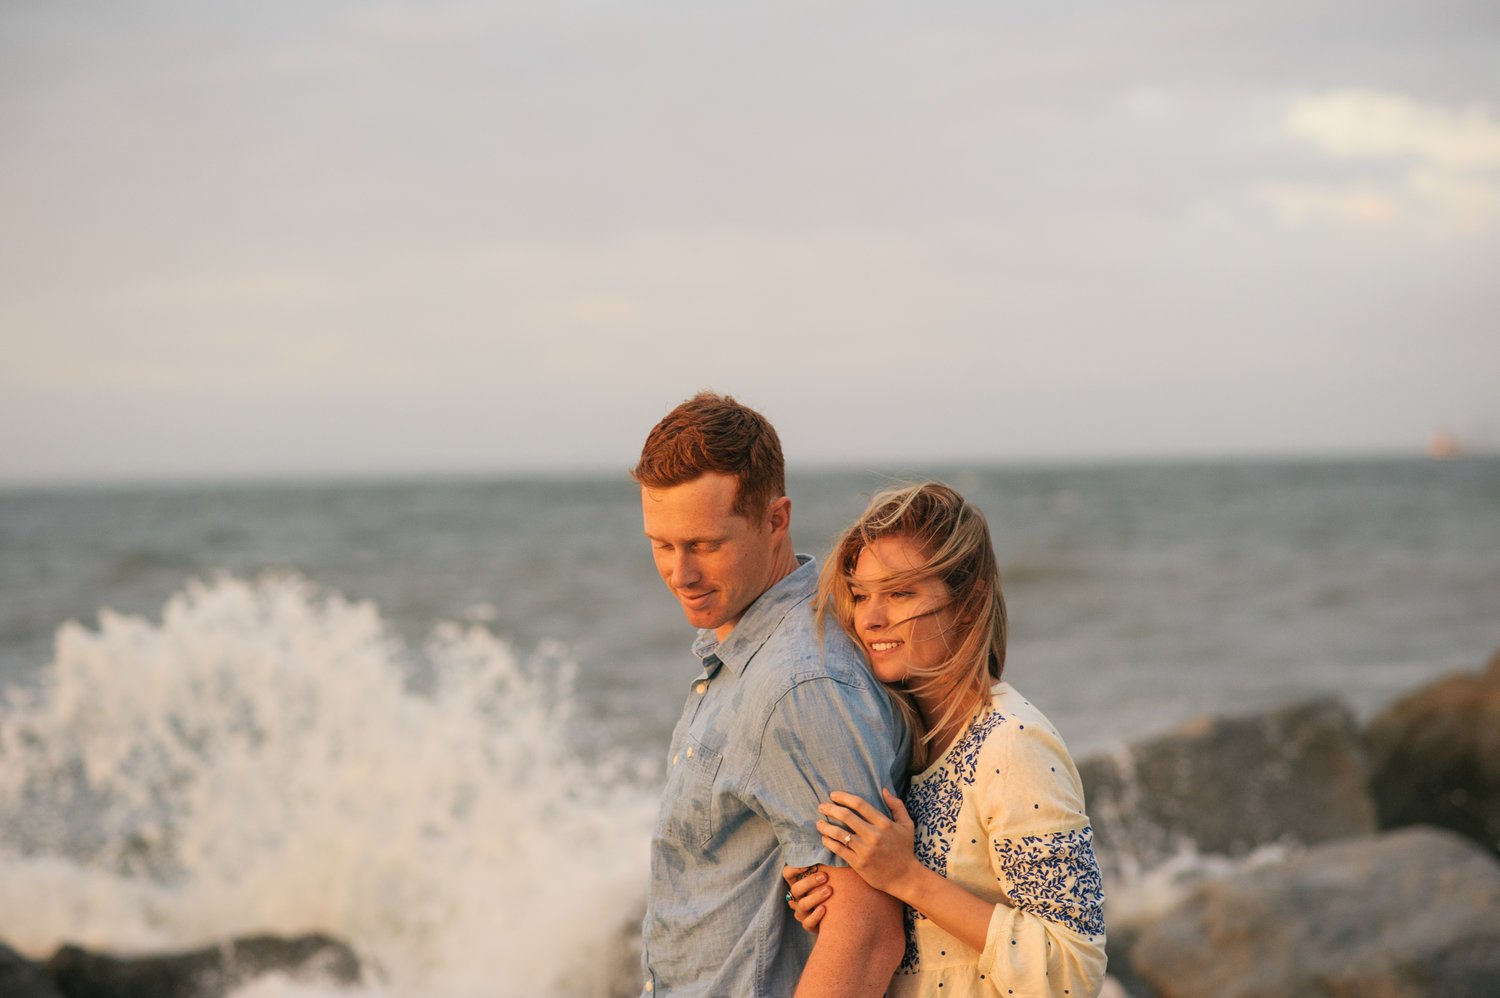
(1146, 893)
(258, 760)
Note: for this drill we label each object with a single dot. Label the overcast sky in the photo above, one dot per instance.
(337, 237)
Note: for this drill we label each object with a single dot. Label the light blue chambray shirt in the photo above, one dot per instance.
(778, 719)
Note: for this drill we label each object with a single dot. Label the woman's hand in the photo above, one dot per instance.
(806, 894)
(879, 848)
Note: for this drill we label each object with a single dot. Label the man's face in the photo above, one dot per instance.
(715, 562)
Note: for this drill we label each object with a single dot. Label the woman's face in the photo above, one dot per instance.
(902, 627)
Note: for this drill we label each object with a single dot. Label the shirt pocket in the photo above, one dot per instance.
(689, 811)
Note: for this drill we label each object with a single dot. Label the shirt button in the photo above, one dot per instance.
(674, 760)
(649, 985)
(690, 752)
(702, 688)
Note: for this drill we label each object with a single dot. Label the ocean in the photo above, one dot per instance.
(428, 717)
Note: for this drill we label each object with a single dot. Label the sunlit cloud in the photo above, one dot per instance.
(1361, 124)
(1452, 156)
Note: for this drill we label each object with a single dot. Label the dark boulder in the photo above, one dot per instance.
(1225, 786)
(1435, 757)
(21, 978)
(202, 973)
(1407, 914)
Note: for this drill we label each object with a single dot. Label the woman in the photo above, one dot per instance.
(991, 851)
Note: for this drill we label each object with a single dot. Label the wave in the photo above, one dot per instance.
(268, 757)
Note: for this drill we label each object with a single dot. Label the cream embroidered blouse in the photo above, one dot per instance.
(1002, 814)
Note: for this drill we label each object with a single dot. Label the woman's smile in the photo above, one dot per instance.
(904, 623)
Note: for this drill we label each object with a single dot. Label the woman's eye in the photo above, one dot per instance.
(901, 594)
(857, 597)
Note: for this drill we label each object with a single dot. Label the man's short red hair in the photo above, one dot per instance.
(714, 433)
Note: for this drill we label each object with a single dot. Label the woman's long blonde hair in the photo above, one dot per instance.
(954, 538)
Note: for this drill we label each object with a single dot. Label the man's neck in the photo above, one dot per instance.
(784, 564)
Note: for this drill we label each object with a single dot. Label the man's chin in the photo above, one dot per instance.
(706, 619)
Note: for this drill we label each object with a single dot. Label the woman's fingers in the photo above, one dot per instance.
(857, 815)
(839, 847)
(807, 903)
(850, 819)
(858, 805)
(847, 817)
(792, 874)
(844, 837)
(807, 890)
(809, 920)
(806, 885)
(897, 806)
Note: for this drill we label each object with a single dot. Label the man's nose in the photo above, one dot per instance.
(684, 571)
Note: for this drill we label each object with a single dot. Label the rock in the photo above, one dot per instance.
(1228, 785)
(1406, 914)
(1435, 757)
(203, 973)
(20, 978)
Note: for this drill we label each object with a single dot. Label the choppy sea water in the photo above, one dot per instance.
(428, 716)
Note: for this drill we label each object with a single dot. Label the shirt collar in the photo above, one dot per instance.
(760, 619)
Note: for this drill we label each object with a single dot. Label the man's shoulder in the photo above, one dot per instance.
(799, 650)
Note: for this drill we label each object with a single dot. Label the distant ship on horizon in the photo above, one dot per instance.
(1443, 444)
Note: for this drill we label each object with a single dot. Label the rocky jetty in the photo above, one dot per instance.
(209, 972)
(1435, 757)
(1410, 913)
(20, 978)
(1226, 786)
(1354, 902)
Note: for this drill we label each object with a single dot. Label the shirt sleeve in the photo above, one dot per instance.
(1049, 941)
(823, 735)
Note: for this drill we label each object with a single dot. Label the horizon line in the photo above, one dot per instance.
(400, 476)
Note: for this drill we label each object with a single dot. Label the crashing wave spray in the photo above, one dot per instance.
(261, 761)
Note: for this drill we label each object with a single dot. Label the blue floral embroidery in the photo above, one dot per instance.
(911, 960)
(934, 804)
(1056, 877)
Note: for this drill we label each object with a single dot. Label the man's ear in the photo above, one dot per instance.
(779, 515)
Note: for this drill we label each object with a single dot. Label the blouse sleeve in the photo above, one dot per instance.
(1049, 941)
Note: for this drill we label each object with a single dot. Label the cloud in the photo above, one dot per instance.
(1451, 155)
(1362, 124)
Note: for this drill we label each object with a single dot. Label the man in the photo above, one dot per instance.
(780, 716)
